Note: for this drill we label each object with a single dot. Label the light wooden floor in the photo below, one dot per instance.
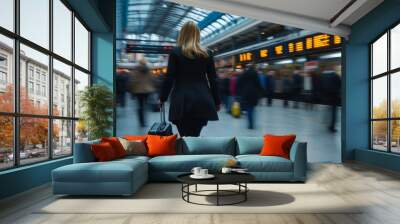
(377, 188)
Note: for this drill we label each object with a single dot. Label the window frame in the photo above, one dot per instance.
(16, 113)
(388, 74)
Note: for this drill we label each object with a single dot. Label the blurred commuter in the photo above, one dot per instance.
(142, 86)
(307, 88)
(316, 86)
(330, 86)
(192, 78)
(287, 89)
(223, 84)
(270, 86)
(297, 87)
(263, 82)
(249, 89)
(122, 87)
(233, 97)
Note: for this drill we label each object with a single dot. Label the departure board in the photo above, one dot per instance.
(305, 45)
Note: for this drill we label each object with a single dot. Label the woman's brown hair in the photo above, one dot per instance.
(189, 41)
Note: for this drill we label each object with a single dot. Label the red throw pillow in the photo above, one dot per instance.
(116, 145)
(135, 137)
(275, 145)
(161, 145)
(103, 152)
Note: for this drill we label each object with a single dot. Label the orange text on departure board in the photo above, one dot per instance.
(337, 39)
(245, 56)
(309, 43)
(321, 40)
(299, 46)
(263, 53)
(291, 47)
(279, 49)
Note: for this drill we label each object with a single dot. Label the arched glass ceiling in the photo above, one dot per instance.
(165, 19)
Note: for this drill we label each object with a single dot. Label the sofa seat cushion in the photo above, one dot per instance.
(257, 163)
(112, 171)
(185, 163)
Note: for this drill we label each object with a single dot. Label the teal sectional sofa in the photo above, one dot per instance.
(125, 176)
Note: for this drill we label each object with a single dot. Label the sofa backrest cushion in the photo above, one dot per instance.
(249, 145)
(206, 145)
(83, 152)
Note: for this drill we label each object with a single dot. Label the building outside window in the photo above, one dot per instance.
(30, 87)
(385, 94)
(3, 77)
(56, 131)
(30, 72)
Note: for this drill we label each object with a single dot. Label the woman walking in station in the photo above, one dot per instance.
(192, 78)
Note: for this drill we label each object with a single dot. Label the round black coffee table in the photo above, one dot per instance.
(238, 179)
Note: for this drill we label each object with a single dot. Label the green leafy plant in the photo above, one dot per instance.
(96, 102)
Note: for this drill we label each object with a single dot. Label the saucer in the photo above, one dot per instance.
(208, 176)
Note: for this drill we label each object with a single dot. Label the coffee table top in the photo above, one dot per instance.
(220, 178)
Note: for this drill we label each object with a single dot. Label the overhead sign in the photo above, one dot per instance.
(309, 44)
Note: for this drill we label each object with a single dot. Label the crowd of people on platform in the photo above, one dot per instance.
(248, 87)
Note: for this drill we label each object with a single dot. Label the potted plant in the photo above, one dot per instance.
(96, 103)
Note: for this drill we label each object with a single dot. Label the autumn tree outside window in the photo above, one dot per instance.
(44, 64)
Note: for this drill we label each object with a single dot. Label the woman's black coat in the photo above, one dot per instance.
(194, 88)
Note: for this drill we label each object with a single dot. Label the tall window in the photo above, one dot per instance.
(385, 92)
(40, 58)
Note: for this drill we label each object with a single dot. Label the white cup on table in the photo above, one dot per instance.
(196, 171)
(203, 172)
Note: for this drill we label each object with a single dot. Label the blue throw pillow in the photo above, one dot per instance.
(249, 145)
(207, 145)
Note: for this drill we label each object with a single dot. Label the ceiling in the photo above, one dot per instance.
(328, 16)
(161, 20)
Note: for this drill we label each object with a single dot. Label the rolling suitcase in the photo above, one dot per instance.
(162, 128)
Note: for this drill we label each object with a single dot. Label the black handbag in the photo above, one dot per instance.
(162, 128)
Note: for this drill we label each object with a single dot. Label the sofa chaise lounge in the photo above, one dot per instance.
(125, 176)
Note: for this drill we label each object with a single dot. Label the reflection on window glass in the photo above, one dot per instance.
(395, 135)
(7, 14)
(36, 102)
(81, 82)
(62, 89)
(62, 29)
(395, 47)
(81, 45)
(33, 140)
(379, 56)
(81, 131)
(6, 75)
(379, 135)
(379, 97)
(6, 142)
(35, 21)
(395, 95)
(62, 138)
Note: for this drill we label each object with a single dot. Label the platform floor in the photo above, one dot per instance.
(309, 124)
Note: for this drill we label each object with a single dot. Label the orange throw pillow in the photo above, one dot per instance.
(161, 145)
(275, 145)
(135, 137)
(103, 152)
(116, 145)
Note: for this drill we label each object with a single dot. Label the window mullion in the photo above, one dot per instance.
(389, 106)
(50, 81)
(16, 84)
(73, 82)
